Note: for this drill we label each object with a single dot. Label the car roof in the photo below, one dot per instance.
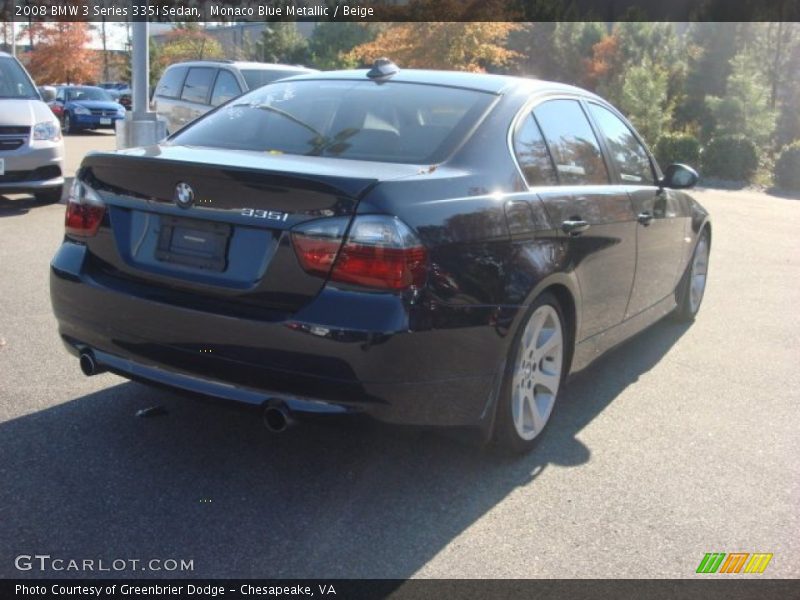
(483, 82)
(241, 64)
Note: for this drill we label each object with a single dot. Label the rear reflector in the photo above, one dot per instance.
(380, 252)
(85, 210)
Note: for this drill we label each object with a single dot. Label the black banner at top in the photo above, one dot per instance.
(399, 10)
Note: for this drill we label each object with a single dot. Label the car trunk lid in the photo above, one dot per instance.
(213, 225)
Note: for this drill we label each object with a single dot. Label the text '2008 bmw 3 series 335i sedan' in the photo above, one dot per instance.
(427, 248)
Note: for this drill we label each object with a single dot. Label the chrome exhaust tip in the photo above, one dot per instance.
(89, 365)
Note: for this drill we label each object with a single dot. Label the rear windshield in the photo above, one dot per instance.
(256, 78)
(358, 120)
(88, 93)
(13, 81)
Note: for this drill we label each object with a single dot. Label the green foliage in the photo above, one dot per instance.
(709, 50)
(787, 168)
(186, 42)
(332, 41)
(733, 157)
(644, 99)
(572, 47)
(678, 148)
(281, 42)
(745, 108)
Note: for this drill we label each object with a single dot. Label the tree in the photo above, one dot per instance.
(186, 42)
(644, 99)
(573, 45)
(61, 53)
(281, 42)
(331, 43)
(709, 50)
(745, 108)
(477, 46)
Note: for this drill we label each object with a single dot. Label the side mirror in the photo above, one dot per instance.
(48, 93)
(679, 177)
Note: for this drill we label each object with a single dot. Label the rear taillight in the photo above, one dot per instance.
(380, 252)
(85, 210)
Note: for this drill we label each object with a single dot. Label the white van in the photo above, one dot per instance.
(31, 146)
(189, 90)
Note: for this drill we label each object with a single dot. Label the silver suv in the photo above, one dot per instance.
(31, 146)
(189, 90)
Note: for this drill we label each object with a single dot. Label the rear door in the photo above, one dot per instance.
(660, 228)
(592, 211)
(196, 93)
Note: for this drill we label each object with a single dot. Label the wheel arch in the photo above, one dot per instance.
(565, 288)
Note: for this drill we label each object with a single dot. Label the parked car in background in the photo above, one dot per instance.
(120, 91)
(429, 248)
(85, 107)
(188, 90)
(31, 146)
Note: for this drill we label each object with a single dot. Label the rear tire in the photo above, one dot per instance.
(691, 289)
(50, 196)
(535, 374)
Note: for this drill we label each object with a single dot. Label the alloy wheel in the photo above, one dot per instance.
(697, 277)
(537, 372)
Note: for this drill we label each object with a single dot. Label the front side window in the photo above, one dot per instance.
(358, 120)
(575, 149)
(198, 82)
(532, 154)
(626, 151)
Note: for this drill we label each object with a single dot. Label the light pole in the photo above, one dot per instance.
(141, 127)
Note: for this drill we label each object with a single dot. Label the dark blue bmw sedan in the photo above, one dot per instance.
(85, 107)
(428, 248)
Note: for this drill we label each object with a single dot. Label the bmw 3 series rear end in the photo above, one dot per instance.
(272, 254)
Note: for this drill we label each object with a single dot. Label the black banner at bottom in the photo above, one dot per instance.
(728, 588)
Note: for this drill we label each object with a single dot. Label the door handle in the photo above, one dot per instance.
(645, 218)
(574, 228)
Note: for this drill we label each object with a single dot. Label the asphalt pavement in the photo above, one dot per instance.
(681, 442)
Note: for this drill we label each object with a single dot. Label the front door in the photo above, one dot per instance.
(660, 229)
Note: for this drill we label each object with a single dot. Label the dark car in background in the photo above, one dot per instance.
(189, 90)
(82, 107)
(120, 92)
(427, 248)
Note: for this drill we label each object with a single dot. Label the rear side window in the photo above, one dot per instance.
(225, 88)
(358, 120)
(197, 85)
(171, 82)
(575, 149)
(626, 151)
(532, 154)
(256, 78)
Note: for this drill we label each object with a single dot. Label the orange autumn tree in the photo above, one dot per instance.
(442, 45)
(61, 53)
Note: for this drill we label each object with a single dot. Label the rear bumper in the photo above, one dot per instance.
(335, 355)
